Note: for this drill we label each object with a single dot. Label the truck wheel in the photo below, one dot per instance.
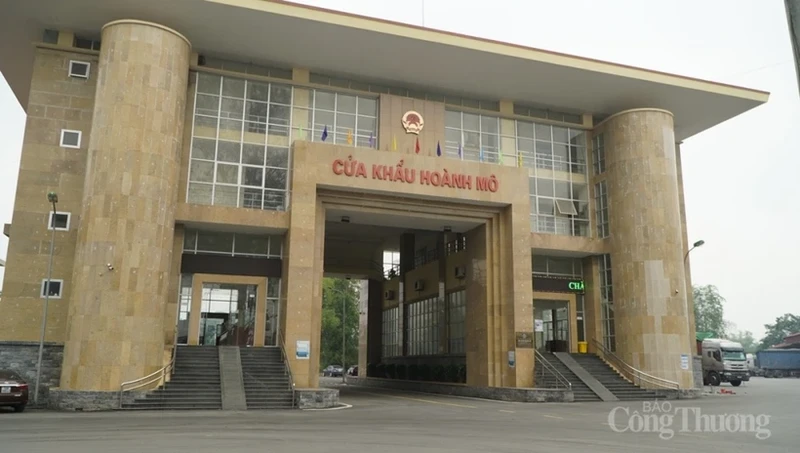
(713, 379)
(736, 383)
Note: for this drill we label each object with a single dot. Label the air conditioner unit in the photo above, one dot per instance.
(388, 294)
(419, 285)
(461, 272)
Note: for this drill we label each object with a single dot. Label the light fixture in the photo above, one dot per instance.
(698, 243)
(345, 219)
(448, 228)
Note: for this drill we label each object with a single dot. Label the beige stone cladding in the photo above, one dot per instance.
(125, 242)
(57, 101)
(647, 243)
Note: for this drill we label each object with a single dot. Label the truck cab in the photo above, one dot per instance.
(724, 361)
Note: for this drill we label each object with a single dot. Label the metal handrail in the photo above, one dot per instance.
(159, 375)
(634, 375)
(287, 368)
(549, 367)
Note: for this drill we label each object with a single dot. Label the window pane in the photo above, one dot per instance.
(214, 241)
(232, 108)
(562, 189)
(199, 194)
(225, 195)
(346, 104)
(227, 174)
(368, 107)
(233, 87)
(256, 112)
(253, 176)
(205, 126)
(203, 148)
(251, 198)
(201, 171)
(324, 100)
(208, 83)
(471, 122)
(279, 114)
(560, 134)
(258, 91)
(207, 105)
(253, 154)
(280, 94)
(251, 244)
(275, 179)
(453, 119)
(544, 187)
(277, 157)
(546, 206)
(543, 132)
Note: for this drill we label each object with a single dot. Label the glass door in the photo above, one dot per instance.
(553, 316)
(227, 316)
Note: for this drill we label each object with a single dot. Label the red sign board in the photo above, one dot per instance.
(399, 173)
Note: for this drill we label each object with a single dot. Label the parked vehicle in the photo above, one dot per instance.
(333, 371)
(779, 362)
(723, 361)
(353, 371)
(751, 364)
(13, 390)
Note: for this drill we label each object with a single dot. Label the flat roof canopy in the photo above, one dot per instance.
(276, 32)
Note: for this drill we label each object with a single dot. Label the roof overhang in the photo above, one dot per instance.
(277, 32)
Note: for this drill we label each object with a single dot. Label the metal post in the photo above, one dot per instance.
(53, 198)
(344, 343)
(692, 347)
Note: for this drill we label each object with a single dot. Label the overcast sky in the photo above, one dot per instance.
(741, 177)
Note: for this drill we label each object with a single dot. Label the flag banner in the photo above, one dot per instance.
(438, 149)
(519, 159)
(416, 147)
(325, 133)
(371, 140)
(301, 134)
(500, 157)
(349, 137)
(394, 143)
(480, 154)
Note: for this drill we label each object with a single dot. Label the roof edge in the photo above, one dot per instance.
(345, 19)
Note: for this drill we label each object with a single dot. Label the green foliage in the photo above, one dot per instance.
(708, 310)
(747, 340)
(339, 294)
(784, 326)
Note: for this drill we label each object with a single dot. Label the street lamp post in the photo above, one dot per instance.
(689, 318)
(52, 198)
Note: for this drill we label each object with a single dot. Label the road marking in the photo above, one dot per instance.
(421, 400)
(508, 412)
(552, 416)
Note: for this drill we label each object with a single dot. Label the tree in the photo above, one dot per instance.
(747, 340)
(708, 310)
(784, 326)
(338, 294)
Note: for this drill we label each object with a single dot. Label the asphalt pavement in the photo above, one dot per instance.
(760, 417)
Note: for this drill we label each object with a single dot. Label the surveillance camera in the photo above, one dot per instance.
(676, 291)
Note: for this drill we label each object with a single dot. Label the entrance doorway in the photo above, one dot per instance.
(228, 314)
(553, 316)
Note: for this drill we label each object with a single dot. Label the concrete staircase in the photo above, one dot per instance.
(623, 389)
(581, 391)
(195, 383)
(266, 379)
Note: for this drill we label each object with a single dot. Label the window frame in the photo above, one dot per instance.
(45, 285)
(70, 131)
(76, 75)
(51, 220)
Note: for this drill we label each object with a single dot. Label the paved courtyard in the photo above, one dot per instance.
(389, 421)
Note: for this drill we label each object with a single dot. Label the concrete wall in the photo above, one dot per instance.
(57, 101)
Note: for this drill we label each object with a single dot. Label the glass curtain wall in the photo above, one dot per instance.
(243, 129)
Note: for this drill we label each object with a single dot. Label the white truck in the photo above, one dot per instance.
(724, 361)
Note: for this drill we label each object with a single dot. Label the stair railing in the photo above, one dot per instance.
(287, 369)
(547, 366)
(637, 377)
(159, 376)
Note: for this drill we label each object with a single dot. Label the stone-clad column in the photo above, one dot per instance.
(125, 240)
(647, 243)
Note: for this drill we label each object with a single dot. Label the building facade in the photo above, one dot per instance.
(204, 192)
